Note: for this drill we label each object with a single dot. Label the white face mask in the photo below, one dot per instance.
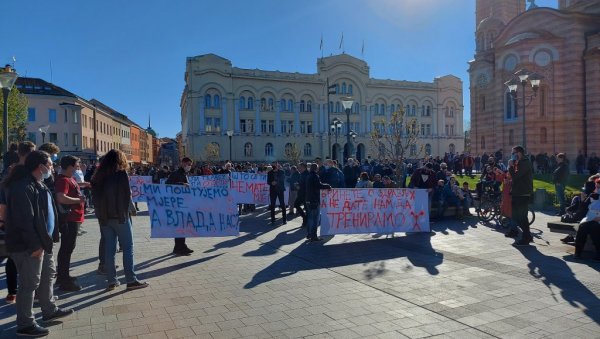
(46, 175)
(187, 168)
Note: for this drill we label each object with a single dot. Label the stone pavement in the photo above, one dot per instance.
(463, 281)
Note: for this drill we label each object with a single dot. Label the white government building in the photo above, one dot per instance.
(257, 114)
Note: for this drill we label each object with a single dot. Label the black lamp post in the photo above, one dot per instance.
(335, 128)
(230, 135)
(331, 89)
(8, 76)
(523, 76)
(347, 103)
(44, 130)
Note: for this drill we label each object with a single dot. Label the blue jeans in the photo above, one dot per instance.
(34, 274)
(312, 220)
(112, 231)
(560, 195)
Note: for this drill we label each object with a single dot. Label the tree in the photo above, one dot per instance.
(396, 139)
(212, 152)
(292, 153)
(17, 116)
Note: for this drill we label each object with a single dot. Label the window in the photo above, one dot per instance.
(53, 137)
(217, 101)
(290, 127)
(343, 88)
(250, 103)
(66, 116)
(337, 89)
(66, 139)
(413, 110)
(208, 124)
(392, 108)
(290, 105)
(242, 104)
(482, 103)
(309, 128)
(217, 124)
(543, 100)
(307, 150)
(543, 135)
(247, 125)
(428, 110)
(302, 106)
(309, 106)
(376, 109)
(207, 101)
(447, 129)
(263, 104)
(303, 127)
(75, 120)
(263, 126)
(350, 89)
(85, 142)
(427, 149)
(269, 149)
(52, 115)
(32, 137)
(451, 111)
(271, 104)
(510, 108)
(75, 139)
(31, 114)
(248, 149)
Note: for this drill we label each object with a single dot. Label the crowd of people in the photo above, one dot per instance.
(44, 199)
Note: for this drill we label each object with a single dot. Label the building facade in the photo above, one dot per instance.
(562, 45)
(269, 111)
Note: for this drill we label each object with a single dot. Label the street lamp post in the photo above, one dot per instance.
(523, 76)
(331, 89)
(230, 135)
(8, 76)
(347, 102)
(335, 128)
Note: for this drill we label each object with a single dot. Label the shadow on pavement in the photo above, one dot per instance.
(165, 270)
(554, 271)
(416, 247)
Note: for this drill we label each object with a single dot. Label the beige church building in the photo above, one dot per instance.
(563, 46)
(255, 115)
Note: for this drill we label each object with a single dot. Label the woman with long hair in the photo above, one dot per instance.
(112, 199)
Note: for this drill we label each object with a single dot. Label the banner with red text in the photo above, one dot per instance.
(179, 211)
(215, 180)
(135, 183)
(374, 210)
(252, 188)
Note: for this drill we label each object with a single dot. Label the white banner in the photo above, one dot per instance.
(216, 180)
(252, 188)
(179, 211)
(374, 210)
(135, 183)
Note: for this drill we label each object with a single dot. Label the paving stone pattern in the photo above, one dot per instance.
(465, 280)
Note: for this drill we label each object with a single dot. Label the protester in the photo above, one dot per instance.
(363, 181)
(560, 177)
(377, 183)
(313, 202)
(276, 180)
(351, 173)
(112, 196)
(10, 157)
(389, 183)
(30, 231)
(590, 225)
(522, 191)
(294, 181)
(71, 205)
(301, 188)
(469, 197)
(179, 177)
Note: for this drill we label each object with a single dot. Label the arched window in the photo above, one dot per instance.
(242, 102)
(217, 101)
(337, 107)
(248, 149)
(422, 110)
(250, 103)
(382, 109)
(302, 106)
(428, 110)
(207, 101)
(376, 109)
(427, 149)
(307, 150)
(482, 142)
(350, 89)
(282, 105)
(290, 105)
(451, 111)
(510, 112)
(407, 110)
(543, 136)
(271, 104)
(343, 88)
(413, 110)
(392, 108)
(263, 104)
(269, 149)
(309, 106)
(288, 148)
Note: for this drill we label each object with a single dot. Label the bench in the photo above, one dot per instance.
(570, 228)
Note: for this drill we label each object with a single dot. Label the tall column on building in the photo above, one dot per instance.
(297, 118)
(257, 118)
(315, 126)
(369, 113)
(324, 123)
(237, 116)
(442, 115)
(201, 102)
(434, 121)
(278, 119)
(224, 124)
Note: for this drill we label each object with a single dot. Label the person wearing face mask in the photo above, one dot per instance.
(53, 151)
(31, 226)
(180, 177)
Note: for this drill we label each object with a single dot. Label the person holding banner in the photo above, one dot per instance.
(179, 177)
(276, 181)
(313, 201)
(111, 192)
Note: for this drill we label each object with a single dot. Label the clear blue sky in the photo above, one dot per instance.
(131, 54)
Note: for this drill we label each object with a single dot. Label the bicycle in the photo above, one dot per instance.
(489, 207)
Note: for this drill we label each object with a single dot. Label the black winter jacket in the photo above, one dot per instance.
(112, 198)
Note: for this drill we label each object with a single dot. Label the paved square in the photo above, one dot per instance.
(464, 281)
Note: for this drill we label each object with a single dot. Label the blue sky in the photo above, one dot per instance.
(131, 54)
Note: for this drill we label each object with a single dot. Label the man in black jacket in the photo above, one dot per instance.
(522, 189)
(560, 177)
(31, 226)
(313, 201)
(179, 177)
(276, 181)
(301, 197)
